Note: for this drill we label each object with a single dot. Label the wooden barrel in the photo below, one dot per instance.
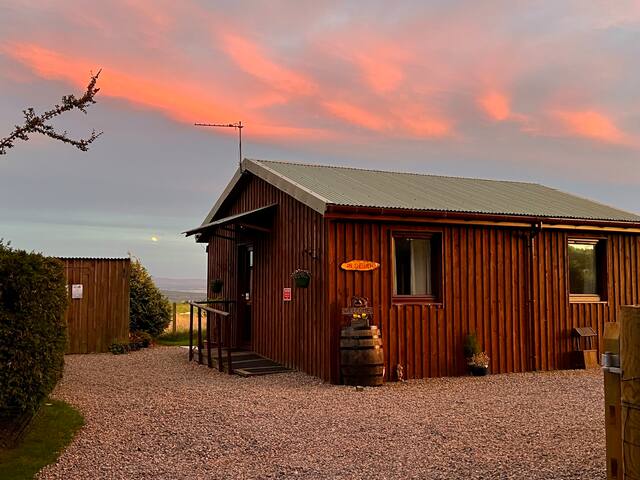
(361, 356)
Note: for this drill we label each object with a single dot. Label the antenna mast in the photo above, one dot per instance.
(237, 126)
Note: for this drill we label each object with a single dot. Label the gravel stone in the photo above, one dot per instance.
(152, 415)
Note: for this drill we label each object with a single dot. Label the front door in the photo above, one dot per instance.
(245, 294)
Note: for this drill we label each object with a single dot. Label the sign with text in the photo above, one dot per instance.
(360, 265)
(357, 311)
(76, 290)
(286, 294)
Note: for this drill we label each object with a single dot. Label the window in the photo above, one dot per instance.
(587, 269)
(416, 267)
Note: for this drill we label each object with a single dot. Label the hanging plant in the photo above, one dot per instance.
(216, 285)
(301, 278)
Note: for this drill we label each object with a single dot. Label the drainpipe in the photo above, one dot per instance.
(531, 236)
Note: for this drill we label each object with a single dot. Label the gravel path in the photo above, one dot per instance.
(150, 414)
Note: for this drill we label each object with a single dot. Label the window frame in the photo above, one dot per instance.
(437, 262)
(602, 265)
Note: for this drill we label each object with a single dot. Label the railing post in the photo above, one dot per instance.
(190, 332)
(229, 365)
(219, 341)
(209, 360)
(175, 317)
(199, 335)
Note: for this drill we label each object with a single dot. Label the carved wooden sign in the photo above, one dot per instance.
(360, 265)
(357, 311)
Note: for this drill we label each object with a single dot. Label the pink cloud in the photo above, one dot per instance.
(253, 60)
(495, 104)
(382, 70)
(355, 115)
(591, 124)
(185, 102)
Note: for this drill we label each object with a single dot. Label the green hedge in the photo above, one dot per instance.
(33, 339)
(149, 309)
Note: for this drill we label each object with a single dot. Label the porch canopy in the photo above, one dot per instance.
(259, 220)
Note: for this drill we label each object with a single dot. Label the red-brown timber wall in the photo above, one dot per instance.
(101, 316)
(294, 333)
(485, 272)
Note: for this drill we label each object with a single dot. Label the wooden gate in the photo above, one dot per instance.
(98, 313)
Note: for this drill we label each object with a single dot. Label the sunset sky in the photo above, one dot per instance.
(542, 91)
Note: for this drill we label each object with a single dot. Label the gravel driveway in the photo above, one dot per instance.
(150, 414)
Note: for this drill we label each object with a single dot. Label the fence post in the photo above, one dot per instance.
(190, 332)
(200, 335)
(630, 389)
(229, 366)
(219, 341)
(175, 315)
(209, 360)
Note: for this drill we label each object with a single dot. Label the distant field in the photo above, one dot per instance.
(179, 296)
(182, 318)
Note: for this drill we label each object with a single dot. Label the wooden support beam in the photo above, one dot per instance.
(209, 359)
(190, 332)
(254, 227)
(219, 341)
(630, 389)
(200, 335)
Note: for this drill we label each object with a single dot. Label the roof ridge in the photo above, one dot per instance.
(360, 169)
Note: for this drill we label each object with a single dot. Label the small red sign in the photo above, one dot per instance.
(286, 294)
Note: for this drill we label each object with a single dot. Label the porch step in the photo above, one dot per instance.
(245, 363)
(264, 370)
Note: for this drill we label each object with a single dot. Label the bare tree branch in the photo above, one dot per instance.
(34, 123)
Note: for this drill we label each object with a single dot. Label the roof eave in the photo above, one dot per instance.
(302, 194)
(350, 211)
(297, 191)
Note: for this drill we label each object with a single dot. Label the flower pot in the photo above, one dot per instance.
(478, 371)
(302, 282)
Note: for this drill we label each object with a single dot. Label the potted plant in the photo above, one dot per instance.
(479, 364)
(477, 360)
(216, 285)
(470, 346)
(301, 278)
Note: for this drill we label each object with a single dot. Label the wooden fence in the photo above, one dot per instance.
(98, 313)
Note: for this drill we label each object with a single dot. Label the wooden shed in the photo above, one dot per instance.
(98, 313)
(521, 264)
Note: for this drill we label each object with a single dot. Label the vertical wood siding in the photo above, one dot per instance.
(484, 290)
(294, 333)
(555, 315)
(101, 316)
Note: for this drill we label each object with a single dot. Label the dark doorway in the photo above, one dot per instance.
(245, 294)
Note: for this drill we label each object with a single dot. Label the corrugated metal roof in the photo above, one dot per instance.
(321, 185)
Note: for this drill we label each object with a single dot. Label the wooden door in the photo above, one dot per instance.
(81, 338)
(245, 294)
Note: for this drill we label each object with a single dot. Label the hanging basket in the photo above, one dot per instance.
(301, 278)
(216, 285)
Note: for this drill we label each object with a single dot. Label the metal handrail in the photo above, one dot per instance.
(219, 316)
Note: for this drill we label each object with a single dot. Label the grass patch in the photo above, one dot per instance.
(181, 337)
(182, 308)
(50, 432)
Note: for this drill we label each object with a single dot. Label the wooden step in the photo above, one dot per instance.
(245, 363)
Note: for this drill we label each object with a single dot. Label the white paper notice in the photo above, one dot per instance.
(76, 290)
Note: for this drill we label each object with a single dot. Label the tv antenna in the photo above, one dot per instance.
(237, 126)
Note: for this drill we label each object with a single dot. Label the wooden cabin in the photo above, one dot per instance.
(518, 263)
